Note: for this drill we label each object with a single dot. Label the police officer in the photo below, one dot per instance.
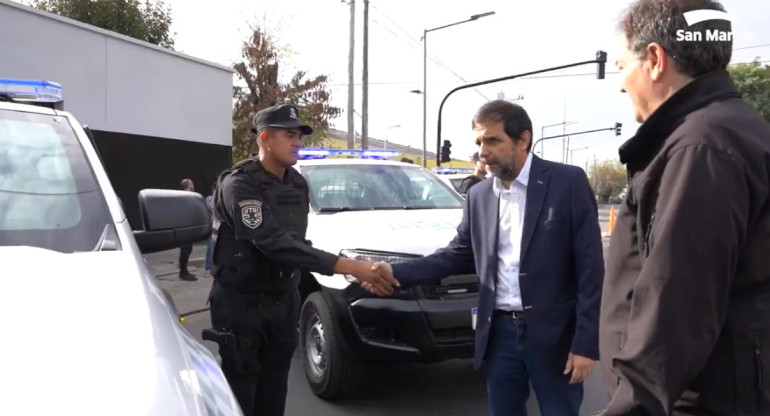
(260, 218)
(479, 174)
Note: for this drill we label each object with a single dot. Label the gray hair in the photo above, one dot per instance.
(663, 22)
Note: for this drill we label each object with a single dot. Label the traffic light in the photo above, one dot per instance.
(617, 128)
(445, 152)
(601, 57)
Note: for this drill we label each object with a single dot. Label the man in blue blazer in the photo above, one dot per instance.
(532, 234)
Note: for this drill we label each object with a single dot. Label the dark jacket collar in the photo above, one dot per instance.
(649, 138)
(256, 165)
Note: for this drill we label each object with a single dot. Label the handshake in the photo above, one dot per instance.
(375, 278)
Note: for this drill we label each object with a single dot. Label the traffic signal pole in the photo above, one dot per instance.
(614, 128)
(601, 60)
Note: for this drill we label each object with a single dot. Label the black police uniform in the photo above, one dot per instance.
(467, 183)
(260, 221)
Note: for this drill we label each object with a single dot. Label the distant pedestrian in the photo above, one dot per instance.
(479, 174)
(210, 207)
(185, 251)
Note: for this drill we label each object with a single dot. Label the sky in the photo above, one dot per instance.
(520, 37)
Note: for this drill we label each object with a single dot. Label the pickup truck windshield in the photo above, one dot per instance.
(354, 187)
(49, 197)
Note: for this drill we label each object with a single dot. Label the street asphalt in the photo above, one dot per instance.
(450, 388)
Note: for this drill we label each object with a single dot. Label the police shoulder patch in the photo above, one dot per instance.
(251, 213)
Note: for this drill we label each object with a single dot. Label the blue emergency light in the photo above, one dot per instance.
(30, 91)
(449, 171)
(378, 154)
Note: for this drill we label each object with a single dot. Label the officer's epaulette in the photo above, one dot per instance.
(252, 165)
(245, 165)
(245, 162)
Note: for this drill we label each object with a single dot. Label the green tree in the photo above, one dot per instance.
(148, 21)
(753, 82)
(607, 179)
(261, 87)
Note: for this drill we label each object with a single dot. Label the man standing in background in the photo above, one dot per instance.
(210, 207)
(185, 251)
(479, 174)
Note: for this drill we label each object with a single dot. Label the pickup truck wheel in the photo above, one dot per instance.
(329, 370)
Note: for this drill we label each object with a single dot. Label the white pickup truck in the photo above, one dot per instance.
(87, 330)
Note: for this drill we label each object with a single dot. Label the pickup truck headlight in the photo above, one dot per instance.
(373, 257)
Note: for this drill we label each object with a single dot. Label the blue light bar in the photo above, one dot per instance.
(379, 154)
(448, 171)
(31, 90)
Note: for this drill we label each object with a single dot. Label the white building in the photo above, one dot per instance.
(158, 116)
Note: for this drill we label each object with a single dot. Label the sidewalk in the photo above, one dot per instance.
(189, 297)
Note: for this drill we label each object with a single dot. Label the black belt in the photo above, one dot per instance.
(254, 293)
(512, 314)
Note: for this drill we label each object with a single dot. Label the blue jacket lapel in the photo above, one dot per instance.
(491, 215)
(536, 191)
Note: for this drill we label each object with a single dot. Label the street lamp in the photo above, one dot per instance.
(542, 134)
(572, 154)
(395, 126)
(425, 80)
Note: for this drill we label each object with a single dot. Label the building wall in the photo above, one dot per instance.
(139, 162)
(158, 116)
(115, 83)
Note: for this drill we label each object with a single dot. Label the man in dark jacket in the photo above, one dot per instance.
(479, 174)
(685, 315)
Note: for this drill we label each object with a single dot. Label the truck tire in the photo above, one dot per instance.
(331, 372)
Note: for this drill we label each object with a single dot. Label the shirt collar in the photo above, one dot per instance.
(639, 150)
(523, 178)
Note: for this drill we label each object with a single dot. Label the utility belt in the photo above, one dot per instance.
(250, 294)
(239, 265)
(256, 284)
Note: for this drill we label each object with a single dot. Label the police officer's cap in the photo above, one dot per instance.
(283, 116)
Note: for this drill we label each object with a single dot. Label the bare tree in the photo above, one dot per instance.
(260, 86)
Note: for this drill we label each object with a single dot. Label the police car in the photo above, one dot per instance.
(87, 330)
(373, 209)
(453, 176)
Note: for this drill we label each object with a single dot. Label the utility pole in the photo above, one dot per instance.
(564, 132)
(365, 81)
(351, 79)
(425, 98)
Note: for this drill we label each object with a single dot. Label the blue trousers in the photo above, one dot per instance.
(209, 249)
(511, 366)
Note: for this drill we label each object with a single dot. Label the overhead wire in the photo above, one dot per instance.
(583, 74)
(418, 43)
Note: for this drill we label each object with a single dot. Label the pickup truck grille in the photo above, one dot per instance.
(454, 336)
(452, 287)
